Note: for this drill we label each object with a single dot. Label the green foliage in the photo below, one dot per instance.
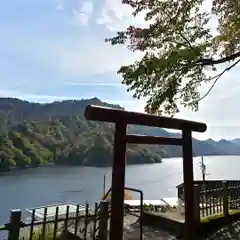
(154, 209)
(69, 140)
(179, 50)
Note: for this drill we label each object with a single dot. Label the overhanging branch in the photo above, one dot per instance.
(217, 78)
(207, 62)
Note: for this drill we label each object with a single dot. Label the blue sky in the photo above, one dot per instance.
(54, 50)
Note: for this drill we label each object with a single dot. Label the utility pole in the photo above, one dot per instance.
(203, 168)
(104, 184)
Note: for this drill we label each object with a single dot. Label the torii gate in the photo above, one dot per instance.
(122, 118)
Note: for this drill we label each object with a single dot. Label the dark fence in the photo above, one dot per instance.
(217, 198)
(92, 223)
(85, 224)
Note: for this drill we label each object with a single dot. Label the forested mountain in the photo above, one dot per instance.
(34, 133)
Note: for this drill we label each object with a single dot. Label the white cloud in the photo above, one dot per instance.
(87, 7)
(117, 16)
(82, 16)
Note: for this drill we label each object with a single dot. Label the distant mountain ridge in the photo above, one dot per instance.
(58, 130)
(236, 141)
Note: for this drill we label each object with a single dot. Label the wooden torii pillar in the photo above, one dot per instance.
(122, 118)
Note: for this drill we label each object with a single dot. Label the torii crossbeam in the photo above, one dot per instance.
(122, 118)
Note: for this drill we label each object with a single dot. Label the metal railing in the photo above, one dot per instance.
(78, 223)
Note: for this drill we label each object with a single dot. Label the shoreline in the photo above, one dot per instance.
(52, 164)
(17, 169)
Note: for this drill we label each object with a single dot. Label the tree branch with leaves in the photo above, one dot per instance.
(179, 50)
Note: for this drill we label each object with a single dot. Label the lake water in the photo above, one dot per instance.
(48, 185)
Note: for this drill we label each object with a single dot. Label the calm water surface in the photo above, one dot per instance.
(48, 185)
